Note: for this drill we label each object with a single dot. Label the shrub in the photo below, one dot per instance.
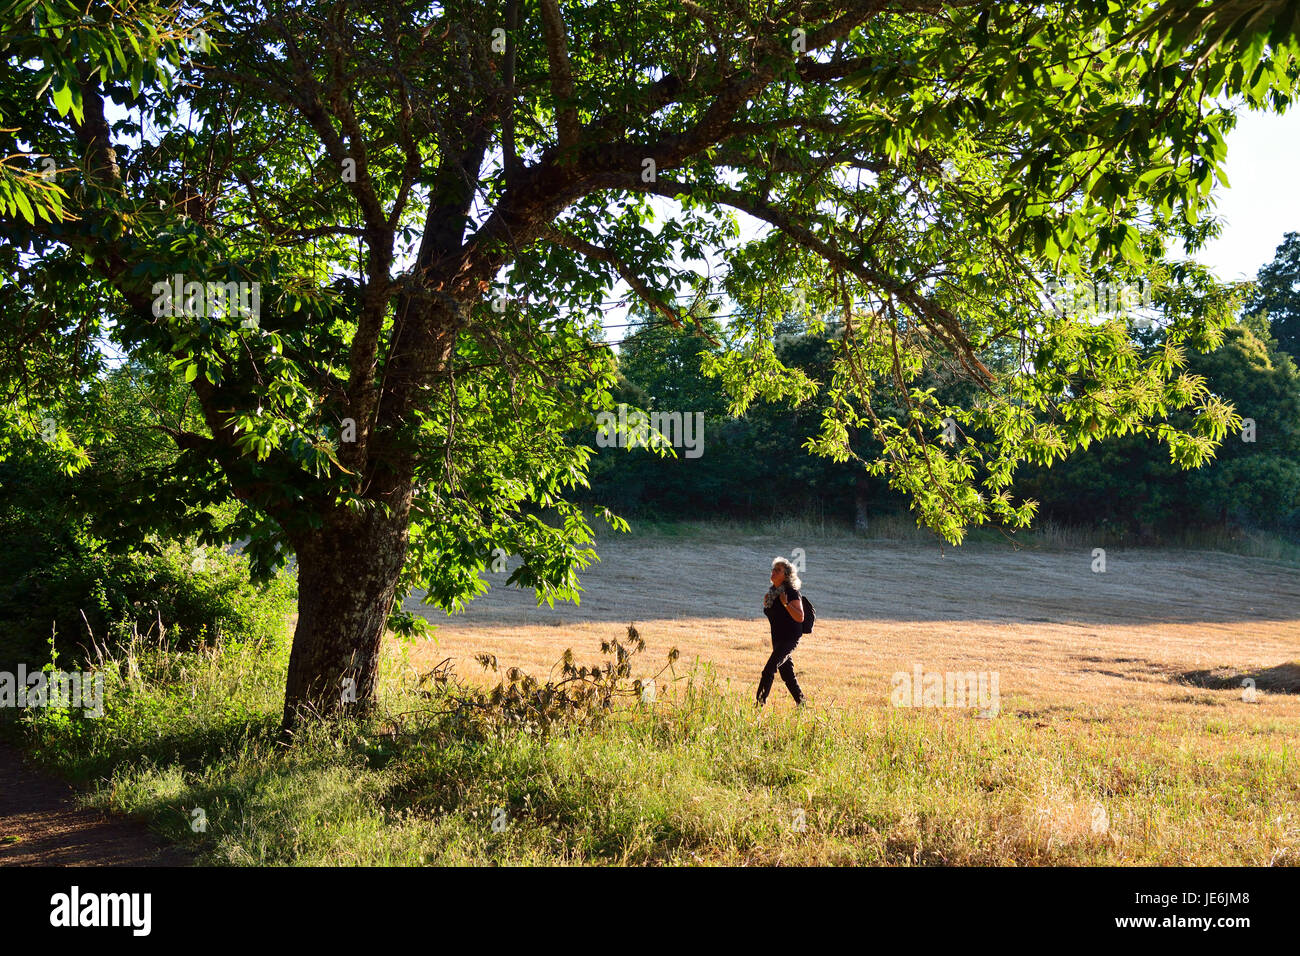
(182, 594)
(58, 579)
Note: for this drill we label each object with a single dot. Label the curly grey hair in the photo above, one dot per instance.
(791, 575)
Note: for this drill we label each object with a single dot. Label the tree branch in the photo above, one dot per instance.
(557, 50)
(601, 254)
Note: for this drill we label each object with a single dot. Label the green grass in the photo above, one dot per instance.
(700, 779)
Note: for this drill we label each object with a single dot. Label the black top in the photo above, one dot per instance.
(784, 627)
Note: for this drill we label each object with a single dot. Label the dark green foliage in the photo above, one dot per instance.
(110, 546)
(753, 468)
(57, 578)
(1128, 485)
(431, 197)
(754, 465)
(1278, 294)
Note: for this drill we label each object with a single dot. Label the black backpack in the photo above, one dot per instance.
(809, 615)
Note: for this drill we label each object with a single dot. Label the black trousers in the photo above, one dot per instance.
(781, 663)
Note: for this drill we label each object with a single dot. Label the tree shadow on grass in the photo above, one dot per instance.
(1279, 679)
(717, 579)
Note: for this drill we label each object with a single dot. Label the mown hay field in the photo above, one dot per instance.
(1158, 633)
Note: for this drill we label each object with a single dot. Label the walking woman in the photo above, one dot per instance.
(784, 611)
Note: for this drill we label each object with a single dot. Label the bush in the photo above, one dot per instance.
(182, 594)
(57, 578)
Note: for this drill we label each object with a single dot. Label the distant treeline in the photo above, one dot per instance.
(755, 468)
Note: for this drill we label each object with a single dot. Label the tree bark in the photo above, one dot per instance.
(347, 579)
(349, 566)
(860, 503)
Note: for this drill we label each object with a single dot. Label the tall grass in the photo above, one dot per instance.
(1044, 535)
(699, 777)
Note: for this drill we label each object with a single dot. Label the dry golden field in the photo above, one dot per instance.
(1160, 632)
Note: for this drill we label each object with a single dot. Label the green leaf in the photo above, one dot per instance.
(24, 206)
(63, 99)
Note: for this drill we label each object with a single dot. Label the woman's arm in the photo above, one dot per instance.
(795, 608)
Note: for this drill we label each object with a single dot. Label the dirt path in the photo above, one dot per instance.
(40, 825)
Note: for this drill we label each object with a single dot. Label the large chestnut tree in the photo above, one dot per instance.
(432, 198)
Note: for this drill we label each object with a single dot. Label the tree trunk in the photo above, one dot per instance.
(348, 568)
(347, 578)
(860, 501)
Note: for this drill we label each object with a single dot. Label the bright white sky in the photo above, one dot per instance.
(1263, 202)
